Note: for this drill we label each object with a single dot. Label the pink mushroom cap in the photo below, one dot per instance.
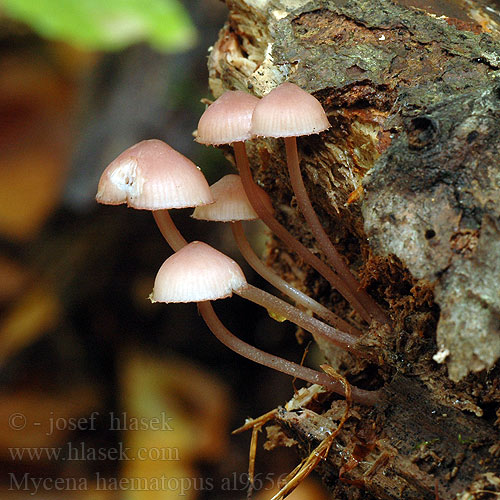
(231, 202)
(288, 111)
(153, 176)
(227, 119)
(197, 272)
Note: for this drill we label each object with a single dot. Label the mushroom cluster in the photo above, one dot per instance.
(152, 176)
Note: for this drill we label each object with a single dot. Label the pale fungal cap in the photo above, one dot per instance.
(231, 202)
(288, 111)
(197, 273)
(153, 176)
(227, 119)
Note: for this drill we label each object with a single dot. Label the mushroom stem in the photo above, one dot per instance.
(206, 310)
(281, 232)
(169, 230)
(300, 318)
(283, 286)
(331, 253)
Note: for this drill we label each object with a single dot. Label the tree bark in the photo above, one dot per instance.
(407, 183)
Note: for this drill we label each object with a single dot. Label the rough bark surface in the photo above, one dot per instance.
(407, 183)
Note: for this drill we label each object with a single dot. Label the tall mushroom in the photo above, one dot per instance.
(289, 112)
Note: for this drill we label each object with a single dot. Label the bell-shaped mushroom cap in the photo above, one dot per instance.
(227, 119)
(197, 272)
(153, 176)
(231, 202)
(288, 111)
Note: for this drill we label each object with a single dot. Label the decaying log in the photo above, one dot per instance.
(407, 183)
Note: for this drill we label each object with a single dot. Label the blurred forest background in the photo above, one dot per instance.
(83, 353)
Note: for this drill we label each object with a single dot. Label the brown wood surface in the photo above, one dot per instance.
(407, 183)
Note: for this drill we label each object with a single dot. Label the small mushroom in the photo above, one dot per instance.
(231, 202)
(201, 262)
(199, 273)
(227, 119)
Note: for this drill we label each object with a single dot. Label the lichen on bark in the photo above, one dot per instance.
(433, 200)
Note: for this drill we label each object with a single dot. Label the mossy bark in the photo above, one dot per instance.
(407, 183)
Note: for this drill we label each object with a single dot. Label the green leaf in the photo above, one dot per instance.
(107, 24)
